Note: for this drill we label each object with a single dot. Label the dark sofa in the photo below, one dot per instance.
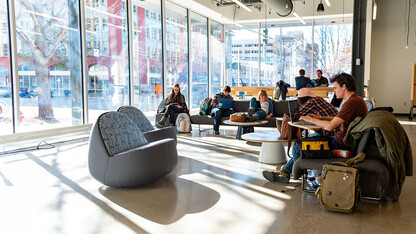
(279, 108)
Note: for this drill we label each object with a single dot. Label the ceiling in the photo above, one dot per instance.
(339, 11)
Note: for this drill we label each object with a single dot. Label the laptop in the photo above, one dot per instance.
(293, 109)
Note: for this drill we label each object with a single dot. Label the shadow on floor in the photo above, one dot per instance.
(164, 201)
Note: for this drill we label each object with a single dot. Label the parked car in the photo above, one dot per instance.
(33, 92)
(4, 92)
(24, 93)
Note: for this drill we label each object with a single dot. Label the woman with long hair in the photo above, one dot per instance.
(175, 104)
(260, 108)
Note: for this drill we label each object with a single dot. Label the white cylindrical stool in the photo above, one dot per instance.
(272, 153)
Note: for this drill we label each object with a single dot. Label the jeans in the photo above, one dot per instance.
(218, 114)
(170, 111)
(333, 144)
(259, 113)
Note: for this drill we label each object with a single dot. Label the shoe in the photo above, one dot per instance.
(251, 118)
(281, 176)
(162, 121)
(251, 111)
(217, 132)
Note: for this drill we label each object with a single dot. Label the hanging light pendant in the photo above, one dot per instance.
(320, 7)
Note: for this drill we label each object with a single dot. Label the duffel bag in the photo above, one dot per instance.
(315, 147)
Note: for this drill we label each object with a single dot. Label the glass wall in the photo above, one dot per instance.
(216, 50)
(285, 49)
(6, 113)
(147, 55)
(107, 55)
(199, 59)
(242, 55)
(333, 47)
(176, 48)
(49, 58)
(49, 63)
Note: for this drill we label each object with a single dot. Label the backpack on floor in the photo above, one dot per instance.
(183, 123)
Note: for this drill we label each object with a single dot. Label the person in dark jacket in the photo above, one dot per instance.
(216, 112)
(321, 81)
(175, 104)
(302, 81)
(283, 86)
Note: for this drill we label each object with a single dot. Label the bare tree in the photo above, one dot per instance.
(40, 27)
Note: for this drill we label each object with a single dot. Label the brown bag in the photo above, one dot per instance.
(238, 117)
(288, 132)
(284, 129)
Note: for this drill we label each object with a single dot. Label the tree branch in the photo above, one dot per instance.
(61, 35)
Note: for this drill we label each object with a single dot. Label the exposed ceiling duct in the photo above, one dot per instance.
(281, 7)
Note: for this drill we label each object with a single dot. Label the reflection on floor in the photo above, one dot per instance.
(216, 188)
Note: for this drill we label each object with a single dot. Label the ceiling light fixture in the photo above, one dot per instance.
(328, 3)
(242, 5)
(374, 11)
(299, 18)
(320, 7)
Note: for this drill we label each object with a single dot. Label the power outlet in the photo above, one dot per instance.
(404, 103)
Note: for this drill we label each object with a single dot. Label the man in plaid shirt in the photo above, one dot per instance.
(312, 104)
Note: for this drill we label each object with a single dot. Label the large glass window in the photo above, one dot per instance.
(242, 54)
(216, 57)
(49, 54)
(6, 113)
(285, 49)
(147, 55)
(333, 47)
(107, 55)
(199, 59)
(176, 48)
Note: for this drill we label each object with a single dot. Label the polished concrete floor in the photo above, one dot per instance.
(217, 187)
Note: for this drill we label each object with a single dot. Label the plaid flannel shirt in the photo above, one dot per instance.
(317, 106)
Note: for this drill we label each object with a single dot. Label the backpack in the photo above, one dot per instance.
(339, 189)
(205, 107)
(183, 123)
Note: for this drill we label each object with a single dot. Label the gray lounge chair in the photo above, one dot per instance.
(120, 156)
(145, 126)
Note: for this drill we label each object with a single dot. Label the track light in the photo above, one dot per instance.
(374, 11)
(320, 7)
(242, 5)
(328, 3)
(299, 18)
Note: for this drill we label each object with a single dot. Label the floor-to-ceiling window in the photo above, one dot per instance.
(48, 45)
(199, 59)
(216, 51)
(147, 55)
(107, 55)
(176, 48)
(6, 113)
(242, 54)
(333, 47)
(285, 49)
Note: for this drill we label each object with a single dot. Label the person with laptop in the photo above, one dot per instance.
(222, 105)
(311, 103)
(354, 106)
(175, 103)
